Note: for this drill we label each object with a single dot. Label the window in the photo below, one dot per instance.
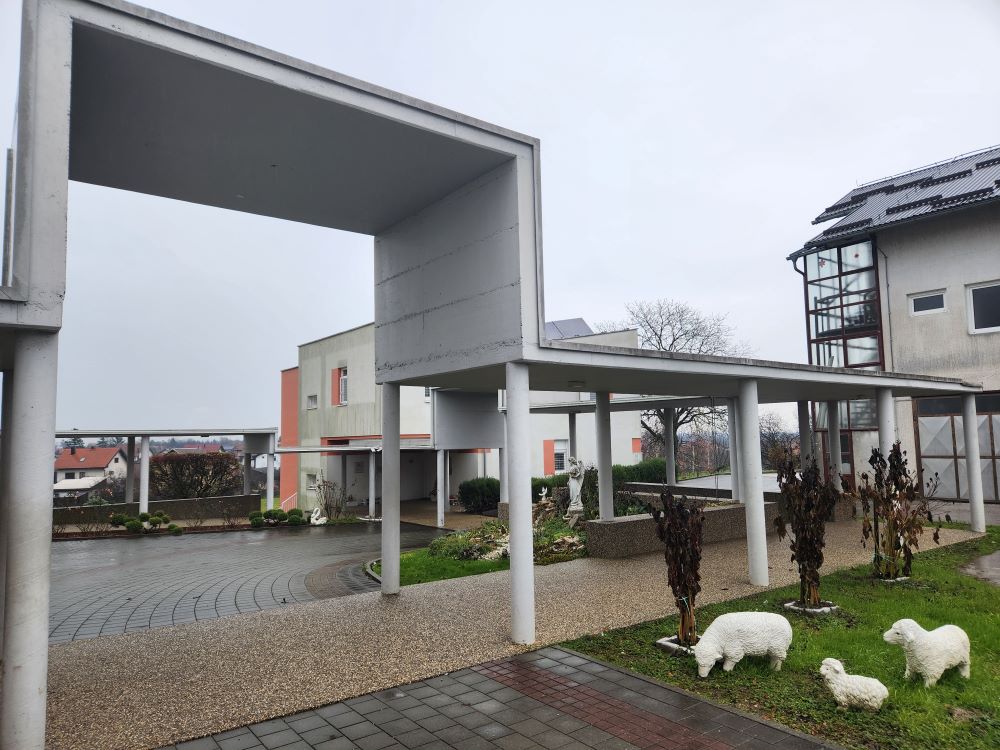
(343, 385)
(116, 459)
(561, 449)
(927, 302)
(842, 307)
(310, 481)
(984, 308)
(71, 475)
(312, 402)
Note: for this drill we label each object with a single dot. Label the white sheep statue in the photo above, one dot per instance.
(732, 636)
(930, 652)
(317, 518)
(853, 690)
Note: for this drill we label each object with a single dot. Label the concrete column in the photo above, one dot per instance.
(805, 435)
(504, 490)
(573, 445)
(605, 485)
(885, 408)
(751, 476)
(447, 476)
(833, 427)
(5, 486)
(734, 450)
(247, 467)
(270, 474)
(130, 469)
(144, 474)
(390, 488)
(974, 472)
(522, 570)
(372, 471)
(343, 474)
(668, 447)
(442, 487)
(29, 436)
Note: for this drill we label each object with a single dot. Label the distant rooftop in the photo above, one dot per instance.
(567, 329)
(966, 180)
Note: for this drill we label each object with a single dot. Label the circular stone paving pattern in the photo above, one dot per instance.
(108, 586)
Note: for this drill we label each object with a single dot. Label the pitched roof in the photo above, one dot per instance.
(88, 457)
(970, 179)
(567, 329)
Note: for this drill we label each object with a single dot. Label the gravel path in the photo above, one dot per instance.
(150, 688)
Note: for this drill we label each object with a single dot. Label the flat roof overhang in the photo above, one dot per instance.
(261, 132)
(194, 432)
(564, 366)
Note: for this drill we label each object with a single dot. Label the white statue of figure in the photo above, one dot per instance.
(575, 473)
(317, 518)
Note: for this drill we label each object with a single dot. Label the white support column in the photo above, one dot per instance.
(447, 477)
(442, 487)
(605, 485)
(973, 467)
(372, 471)
(144, 474)
(734, 450)
(390, 488)
(753, 488)
(343, 474)
(247, 468)
(29, 435)
(504, 490)
(130, 469)
(270, 503)
(668, 447)
(573, 445)
(885, 408)
(522, 563)
(833, 435)
(805, 435)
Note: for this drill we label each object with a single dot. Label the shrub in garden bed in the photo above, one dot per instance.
(479, 495)
(554, 542)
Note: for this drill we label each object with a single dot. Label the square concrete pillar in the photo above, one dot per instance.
(522, 565)
(390, 488)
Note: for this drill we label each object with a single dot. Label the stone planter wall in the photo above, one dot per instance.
(186, 509)
(636, 535)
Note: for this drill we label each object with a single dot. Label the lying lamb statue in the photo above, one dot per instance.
(732, 636)
(853, 690)
(930, 652)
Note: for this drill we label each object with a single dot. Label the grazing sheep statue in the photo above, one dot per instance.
(732, 636)
(930, 652)
(853, 690)
(316, 519)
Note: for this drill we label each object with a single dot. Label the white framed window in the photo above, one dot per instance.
(927, 303)
(984, 307)
(312, 402)
(343, 385)
(310, 481)
(561, 449)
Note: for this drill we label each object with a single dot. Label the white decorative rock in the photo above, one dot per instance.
(853, 690)
(732, 636)
(930, 652)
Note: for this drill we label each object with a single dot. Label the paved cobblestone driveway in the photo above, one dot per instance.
(550, 699)
(106, 586)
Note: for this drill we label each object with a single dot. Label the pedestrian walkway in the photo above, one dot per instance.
(552, 699)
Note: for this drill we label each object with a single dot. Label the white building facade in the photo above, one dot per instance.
(331, 398)
(909, 281)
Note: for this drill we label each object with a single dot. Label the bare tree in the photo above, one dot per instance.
(777, 442)
(666, 325)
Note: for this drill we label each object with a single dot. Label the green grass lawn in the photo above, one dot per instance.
(420, 567)
(954, 714)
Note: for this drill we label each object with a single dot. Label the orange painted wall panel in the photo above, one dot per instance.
(549, 457)
(335, 387)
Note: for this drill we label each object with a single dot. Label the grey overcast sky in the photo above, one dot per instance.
(685, 149)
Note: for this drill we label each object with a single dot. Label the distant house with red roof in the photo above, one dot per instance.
(89, 461)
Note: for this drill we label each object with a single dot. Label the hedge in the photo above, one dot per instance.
(480, 494)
